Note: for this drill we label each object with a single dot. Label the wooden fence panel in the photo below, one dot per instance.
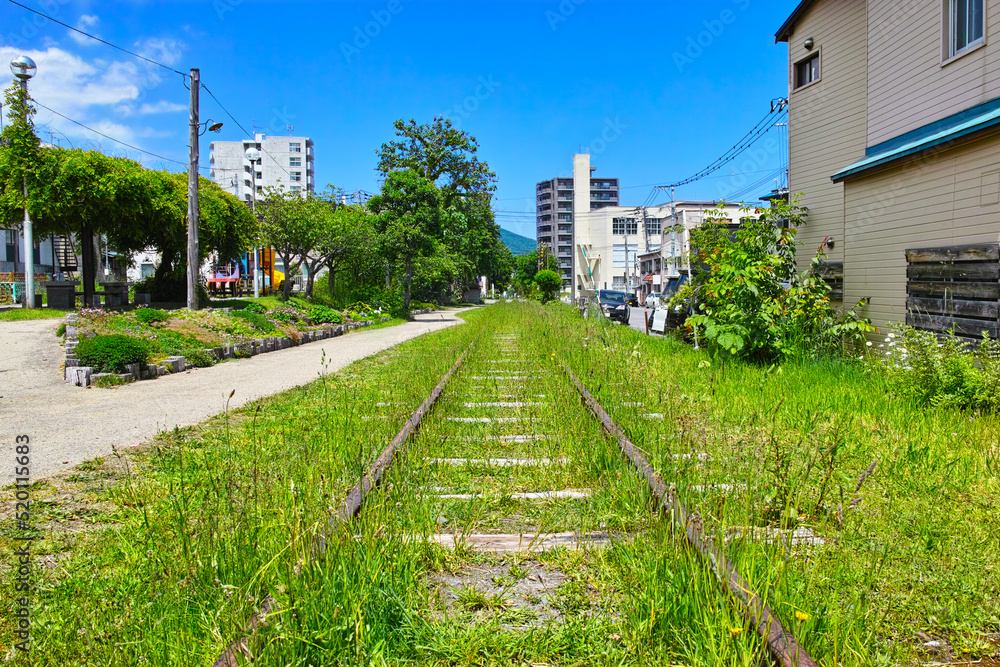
(954, 287)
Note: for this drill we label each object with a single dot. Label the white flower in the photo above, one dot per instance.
(892, 335)
(869, 343)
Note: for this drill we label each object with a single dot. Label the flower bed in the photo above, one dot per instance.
(183, 339)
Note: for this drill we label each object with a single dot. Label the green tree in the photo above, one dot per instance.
(346, 230)
(408, 221)
(447, 157)
(20, 159)
(292, 225)
(443, 155)
(549, 283)
(524, 269)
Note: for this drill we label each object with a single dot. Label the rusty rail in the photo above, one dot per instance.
(782, 643)
(348, 509)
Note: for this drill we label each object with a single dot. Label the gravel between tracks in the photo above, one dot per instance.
(68, 425)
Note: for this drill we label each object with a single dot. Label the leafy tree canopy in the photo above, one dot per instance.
(442, 154)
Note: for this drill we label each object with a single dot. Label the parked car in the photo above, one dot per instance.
(653, 300)
(633, 300)
(614, 304)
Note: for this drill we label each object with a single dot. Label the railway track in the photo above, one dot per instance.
(511, 521)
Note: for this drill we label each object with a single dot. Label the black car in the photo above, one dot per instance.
(614, 304)
(633, 300)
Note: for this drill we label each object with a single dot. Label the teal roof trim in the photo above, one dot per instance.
(975, 119)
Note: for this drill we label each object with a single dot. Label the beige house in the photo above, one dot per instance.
(894, 137)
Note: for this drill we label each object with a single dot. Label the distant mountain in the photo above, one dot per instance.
(519, 245)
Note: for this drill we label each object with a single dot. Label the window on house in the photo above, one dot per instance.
(654, 225)
(296, 188)
(294, 162)
(296, 175)
(965, 25)
(807, 71)
(294, 147)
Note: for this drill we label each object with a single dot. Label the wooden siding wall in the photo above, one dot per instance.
(956, 287)
(950, 198)
(907, 85)
(827, 119)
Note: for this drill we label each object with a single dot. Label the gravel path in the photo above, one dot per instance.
(68, 425)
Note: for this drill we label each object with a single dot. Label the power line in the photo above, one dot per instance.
(246, 132)
(751, 137)
(94, 37)
(135, 148)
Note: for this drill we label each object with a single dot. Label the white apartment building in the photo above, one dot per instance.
(635, 249)
(285, 162)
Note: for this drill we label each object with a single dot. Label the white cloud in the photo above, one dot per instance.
(107, 95)
(86, 23)
(163, 106)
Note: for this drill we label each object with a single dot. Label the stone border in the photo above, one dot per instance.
(83, 376)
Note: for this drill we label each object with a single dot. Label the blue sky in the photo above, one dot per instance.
(653, 90)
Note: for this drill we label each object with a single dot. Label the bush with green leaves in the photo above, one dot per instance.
(194, 356)
(111, 354)
(255, 320)
(151, 315)
(549, 283)
(941, 370)
(324, 315)
(748, 300)
(255, 307)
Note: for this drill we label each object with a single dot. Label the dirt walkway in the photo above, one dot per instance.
(68, 425)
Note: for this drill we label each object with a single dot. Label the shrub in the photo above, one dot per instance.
(255, 307)
(151, 315)
(549, 283)
(110, 354)
(324, 315)
(197, 357)
(749, 301)
(942, 371)
(255, 320)
(362, 307)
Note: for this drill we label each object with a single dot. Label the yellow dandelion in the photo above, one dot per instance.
(801, 615)
(735, 631)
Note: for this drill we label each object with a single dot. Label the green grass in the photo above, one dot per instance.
(21, 314)
(206, 522)
(202, 523)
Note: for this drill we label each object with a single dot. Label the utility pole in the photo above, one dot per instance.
(192, 248)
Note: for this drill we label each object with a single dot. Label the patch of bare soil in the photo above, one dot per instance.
(525, 594)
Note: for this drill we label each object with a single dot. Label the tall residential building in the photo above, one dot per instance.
(558, 203)
(286, 162)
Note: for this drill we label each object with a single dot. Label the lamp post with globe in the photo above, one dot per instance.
(23, 69)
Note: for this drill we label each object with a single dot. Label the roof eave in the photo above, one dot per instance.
(788, 27)
(936, 146)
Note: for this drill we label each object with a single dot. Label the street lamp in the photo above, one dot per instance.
(253, 155)
(23, 68)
